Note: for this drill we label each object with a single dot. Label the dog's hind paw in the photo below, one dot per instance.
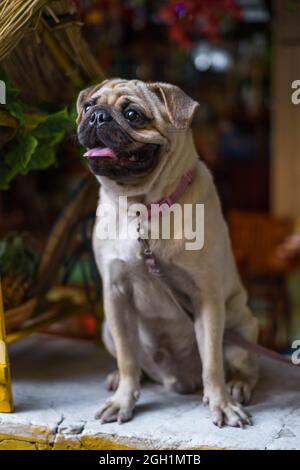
(112, 381)
(240, 390)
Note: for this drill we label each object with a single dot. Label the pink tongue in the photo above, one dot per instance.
(100, 152)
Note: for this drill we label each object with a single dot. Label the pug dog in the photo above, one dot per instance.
(170, 326)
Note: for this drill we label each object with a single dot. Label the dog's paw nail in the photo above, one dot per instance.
(218, 423)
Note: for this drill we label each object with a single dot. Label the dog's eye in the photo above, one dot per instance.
(88, 106)
(132, 115)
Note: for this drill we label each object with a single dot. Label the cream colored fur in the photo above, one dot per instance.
(144, 329)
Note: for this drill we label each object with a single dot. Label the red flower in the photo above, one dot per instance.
(187, 20)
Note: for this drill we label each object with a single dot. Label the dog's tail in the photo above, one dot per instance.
(236, 339)
(233, 338)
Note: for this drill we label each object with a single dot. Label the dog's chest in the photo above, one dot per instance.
(172, 287)
(118, 230)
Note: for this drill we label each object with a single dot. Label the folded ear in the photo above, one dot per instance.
(84, 95)
(180, 107)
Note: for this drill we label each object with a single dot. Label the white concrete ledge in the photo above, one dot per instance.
(58, 385)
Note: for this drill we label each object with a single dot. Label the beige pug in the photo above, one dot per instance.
(140, 144)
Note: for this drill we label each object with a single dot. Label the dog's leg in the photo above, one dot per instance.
(209, 329)
(122, 323)
(113, 378)
(241, 364)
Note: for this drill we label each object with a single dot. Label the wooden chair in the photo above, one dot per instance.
(255, 239)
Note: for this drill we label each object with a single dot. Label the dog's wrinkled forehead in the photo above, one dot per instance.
(160, 101)
(115, 92)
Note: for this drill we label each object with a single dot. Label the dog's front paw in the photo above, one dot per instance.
(118, 408)
(225, 410)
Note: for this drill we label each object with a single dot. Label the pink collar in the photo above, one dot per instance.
(183, 184)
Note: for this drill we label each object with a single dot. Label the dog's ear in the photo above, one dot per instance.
(180, 107)
(84, 95)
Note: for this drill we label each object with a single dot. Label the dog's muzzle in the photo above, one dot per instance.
(111, 151)
(99, 117)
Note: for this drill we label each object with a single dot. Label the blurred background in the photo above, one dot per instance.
(238, 58)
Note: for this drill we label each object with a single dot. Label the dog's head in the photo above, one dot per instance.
(128, 126)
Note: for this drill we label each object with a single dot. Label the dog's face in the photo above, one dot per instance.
(128, 125)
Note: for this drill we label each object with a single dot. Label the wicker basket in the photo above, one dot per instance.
(14, 317)
(82, 203)
(43, 51)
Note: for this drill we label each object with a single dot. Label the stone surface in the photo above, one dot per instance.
(58, 385)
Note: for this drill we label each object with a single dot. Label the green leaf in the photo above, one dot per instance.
(34, 150)
(7, 174)
(54, 127)
(15, 108)
(19, 157)
(43, 157)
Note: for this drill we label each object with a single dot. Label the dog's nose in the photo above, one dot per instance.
(99, 117)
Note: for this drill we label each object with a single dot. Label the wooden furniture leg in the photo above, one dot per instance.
(6, 402)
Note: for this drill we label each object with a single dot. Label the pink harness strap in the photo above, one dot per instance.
(183, 184)
(149, 257)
